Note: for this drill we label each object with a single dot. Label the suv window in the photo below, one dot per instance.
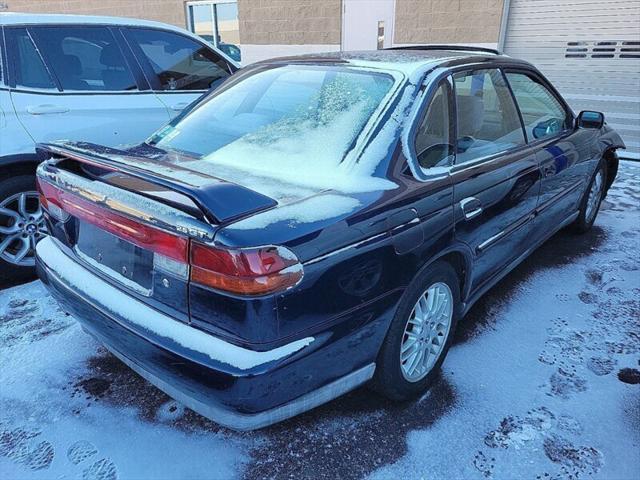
(84, 58)
(433, 137)
(543, 115)
(27, 66)
(179, 62)
(487, 118)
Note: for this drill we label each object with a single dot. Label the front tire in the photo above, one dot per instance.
(592, 199)
(420, 334)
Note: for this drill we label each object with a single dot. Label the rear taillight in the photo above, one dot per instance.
(244, 271)
(250, 271)
(142, 235)
(48, 200)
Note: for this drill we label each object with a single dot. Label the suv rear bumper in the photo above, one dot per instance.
(223, 382)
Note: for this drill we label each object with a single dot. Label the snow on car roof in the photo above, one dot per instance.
(407, 61)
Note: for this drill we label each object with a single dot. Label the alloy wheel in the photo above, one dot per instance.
(426, 332)
(595, 195)
(21, 225)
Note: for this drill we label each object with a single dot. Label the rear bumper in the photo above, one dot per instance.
(236, 387)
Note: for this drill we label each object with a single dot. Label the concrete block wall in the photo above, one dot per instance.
(272, 28)
(168, 11)
(290, 22)
(447, 21)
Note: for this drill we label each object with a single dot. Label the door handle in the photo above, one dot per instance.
(471, 207)
(179, 106)
(46, 109)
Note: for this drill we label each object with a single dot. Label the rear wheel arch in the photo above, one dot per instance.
(15, 165)
(460, 260)
(389, 378)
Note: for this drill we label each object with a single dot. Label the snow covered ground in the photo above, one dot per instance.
(540, 384)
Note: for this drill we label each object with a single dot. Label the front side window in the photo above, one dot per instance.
(28, 69)
(543, 115)
(179, 62)
(487, 118)
(294, 121)
(85, 58)
(433, 137)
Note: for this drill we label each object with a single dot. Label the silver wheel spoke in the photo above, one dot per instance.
(412, 358)
(416, 360)
(414, 320)
(10, 213)
(9, 230)
(6, 242)
(24, 250)
(22, 205)
(408, 352)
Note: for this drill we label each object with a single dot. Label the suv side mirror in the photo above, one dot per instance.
(589, 119)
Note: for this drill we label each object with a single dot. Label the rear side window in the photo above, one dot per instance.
(487, 118)
(85, 58)
(433, 142)
(543, 115)
(178, 62)
(27, 66)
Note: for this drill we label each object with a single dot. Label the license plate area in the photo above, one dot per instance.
(119, 259)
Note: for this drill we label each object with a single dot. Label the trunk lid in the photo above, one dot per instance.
(132, 227)
(158, 175)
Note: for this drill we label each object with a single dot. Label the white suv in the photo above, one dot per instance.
(111, 81)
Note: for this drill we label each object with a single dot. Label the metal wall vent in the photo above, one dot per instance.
(606, 49)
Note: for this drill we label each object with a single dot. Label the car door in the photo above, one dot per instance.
(561, 150)
(496, 177)
(77, 82)
(179, 68)
(15, 144)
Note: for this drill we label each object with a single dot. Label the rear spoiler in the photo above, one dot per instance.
(220, 201)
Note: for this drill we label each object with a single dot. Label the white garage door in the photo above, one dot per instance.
(590, 50)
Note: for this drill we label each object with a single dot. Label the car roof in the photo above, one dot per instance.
(16, 18)
(407, 60)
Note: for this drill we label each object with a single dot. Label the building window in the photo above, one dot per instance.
(217, 22)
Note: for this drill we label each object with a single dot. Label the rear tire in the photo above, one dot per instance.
(408, 335)
(16, 224)
(592, 199)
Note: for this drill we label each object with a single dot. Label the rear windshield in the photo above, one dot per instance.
(276, 120)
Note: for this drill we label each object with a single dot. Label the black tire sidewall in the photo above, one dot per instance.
(10, 186)
(388, 378)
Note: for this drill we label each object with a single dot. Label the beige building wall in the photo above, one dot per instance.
(168, 11)
(448, 21)
(270, 28)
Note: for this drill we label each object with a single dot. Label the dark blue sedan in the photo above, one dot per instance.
(317, 223)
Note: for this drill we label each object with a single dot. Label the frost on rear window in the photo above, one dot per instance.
(292, 123)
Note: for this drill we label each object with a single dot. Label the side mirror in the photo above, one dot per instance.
(589, 119)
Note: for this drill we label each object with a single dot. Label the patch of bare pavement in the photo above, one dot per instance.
(542, 382)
